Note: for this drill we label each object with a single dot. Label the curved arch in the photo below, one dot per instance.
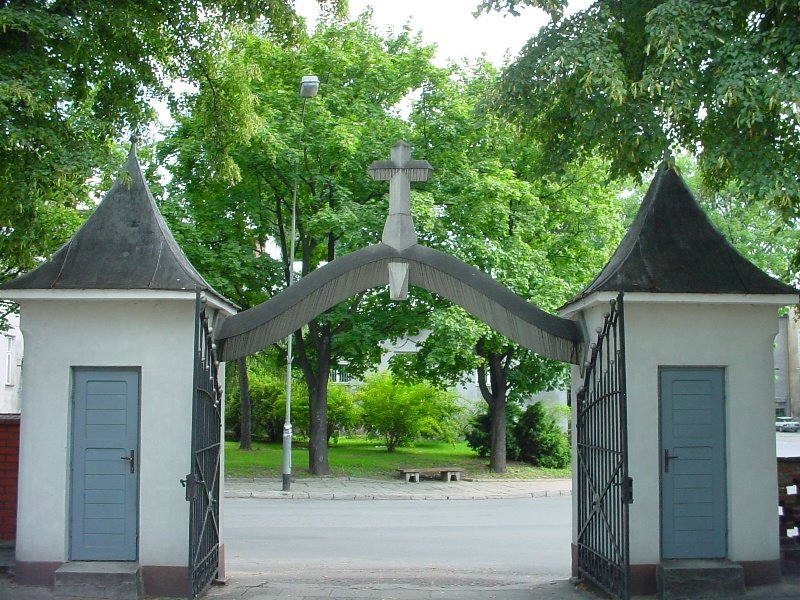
(462, 284)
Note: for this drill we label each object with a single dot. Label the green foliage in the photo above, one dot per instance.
(74, 77)
(361, 457)
(267, 397)
(499, 208)
(344, 414)
(478, 436)
(627, 80)
(539, 438)
(243, 142)
(542, 236)
(400, 413)
(534, 436)
(268, 405)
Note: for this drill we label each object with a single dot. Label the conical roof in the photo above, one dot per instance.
(672, 247)
(123, 245)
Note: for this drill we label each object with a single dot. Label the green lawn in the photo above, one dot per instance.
(360, 457)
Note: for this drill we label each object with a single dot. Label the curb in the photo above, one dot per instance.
(276, 495)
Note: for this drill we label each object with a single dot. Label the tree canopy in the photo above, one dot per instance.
(78, 75)
(629, 79)
(244, 141)
(491, 204)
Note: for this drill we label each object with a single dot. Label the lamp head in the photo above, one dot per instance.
(309, 86)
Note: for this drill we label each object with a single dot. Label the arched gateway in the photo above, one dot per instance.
(399, 261)
(110, 318)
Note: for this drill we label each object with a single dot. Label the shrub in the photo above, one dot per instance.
(478, 434)
(539, 438)
(400, 413)
(532, 435)
(266, 394)
(344, 415)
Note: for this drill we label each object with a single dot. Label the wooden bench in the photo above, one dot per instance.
(446, 473)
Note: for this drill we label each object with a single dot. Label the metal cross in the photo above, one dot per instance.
(399, 232)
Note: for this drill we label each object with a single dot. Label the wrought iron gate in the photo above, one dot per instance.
(202, 484)
(604, 488)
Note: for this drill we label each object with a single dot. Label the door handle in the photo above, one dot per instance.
(668, 458)
(131, 460)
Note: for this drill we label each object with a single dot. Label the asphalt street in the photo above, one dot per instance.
(787, 444)
(502, 536)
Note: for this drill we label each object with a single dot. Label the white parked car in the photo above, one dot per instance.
(786, 424)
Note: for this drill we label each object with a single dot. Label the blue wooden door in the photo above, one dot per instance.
(693, 496)
(105, 454)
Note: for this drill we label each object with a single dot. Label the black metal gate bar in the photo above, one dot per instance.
(202, 484)
(604, 488)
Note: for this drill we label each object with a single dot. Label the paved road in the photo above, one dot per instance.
(787, 444)
(510, 536)
(509, 549)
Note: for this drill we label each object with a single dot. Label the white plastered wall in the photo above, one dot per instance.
(738, 337)
(155, 336)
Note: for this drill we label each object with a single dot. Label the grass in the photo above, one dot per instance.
(364, 458)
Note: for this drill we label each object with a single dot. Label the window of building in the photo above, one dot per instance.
(9, 360)
(340, 375)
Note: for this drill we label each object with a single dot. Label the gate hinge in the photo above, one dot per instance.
(627, 490)
(189, 484)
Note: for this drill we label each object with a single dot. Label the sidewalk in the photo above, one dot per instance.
(346, 488)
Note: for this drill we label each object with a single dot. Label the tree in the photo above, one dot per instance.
(542, 236)
(74, 77)
(235, 153)
(400, 413)
(540, 440)
(629, 79)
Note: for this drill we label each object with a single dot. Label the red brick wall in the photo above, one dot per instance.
(9, 466)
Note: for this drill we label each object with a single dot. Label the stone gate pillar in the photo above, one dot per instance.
(700, 321)
(109, 327)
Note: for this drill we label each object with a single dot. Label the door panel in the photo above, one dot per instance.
(693, 496)
(104, 493)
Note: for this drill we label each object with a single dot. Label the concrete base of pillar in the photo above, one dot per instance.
(101, 580)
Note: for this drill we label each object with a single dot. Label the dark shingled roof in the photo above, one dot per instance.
(672, 247)
(123, 245)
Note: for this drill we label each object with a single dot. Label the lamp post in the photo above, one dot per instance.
(309, 86)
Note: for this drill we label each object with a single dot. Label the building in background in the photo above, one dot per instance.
(787, 365)
(10, 366)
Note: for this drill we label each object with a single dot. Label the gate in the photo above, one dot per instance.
(202, 484)
(604, 488)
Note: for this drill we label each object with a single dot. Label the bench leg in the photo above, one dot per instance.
(410, 476)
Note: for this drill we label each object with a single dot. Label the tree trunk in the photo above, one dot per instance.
(497, 457)
(318, 408)
(494, 392)
(318, 429)
(245, 437)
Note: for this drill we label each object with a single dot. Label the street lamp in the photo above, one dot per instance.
(309, 86)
